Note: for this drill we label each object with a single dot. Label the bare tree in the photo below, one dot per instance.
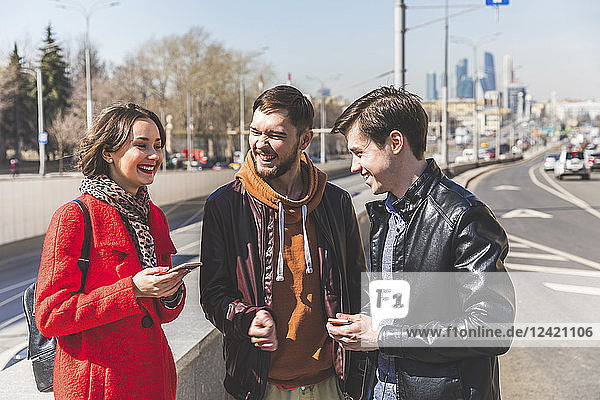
(67, 129)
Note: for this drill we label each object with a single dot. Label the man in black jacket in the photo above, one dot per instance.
(281, 254)
(448, 245)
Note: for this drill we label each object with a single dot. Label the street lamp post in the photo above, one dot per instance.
(37, 72)
(87, 13)
(324, 92)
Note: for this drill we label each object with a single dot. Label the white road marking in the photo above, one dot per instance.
(525, 213)
(187, 228)
(517, 245)
(559, 287)
(17, 285)
(537, 256)
(5, 356)
(506, 187)
(561, 192)
(189, 246)
(570, 257)
(11, 320)
(11, 299)
(553, 270)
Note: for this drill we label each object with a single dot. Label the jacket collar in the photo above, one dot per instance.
(418, 191)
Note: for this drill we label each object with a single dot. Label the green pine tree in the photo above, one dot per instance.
(57, 86)
(18, 111)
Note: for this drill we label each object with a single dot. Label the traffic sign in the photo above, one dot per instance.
(496, 2)
(43, 137)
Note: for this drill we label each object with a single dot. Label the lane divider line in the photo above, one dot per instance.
(560, 287)
(537, 256)
(570, 257)
(553, 270)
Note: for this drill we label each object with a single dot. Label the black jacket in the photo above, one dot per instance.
(447, 230)
(236, 278)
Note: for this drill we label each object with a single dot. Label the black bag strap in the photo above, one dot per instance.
(84, 260)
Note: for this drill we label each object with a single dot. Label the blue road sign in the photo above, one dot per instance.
(43, 137)
(496, 2)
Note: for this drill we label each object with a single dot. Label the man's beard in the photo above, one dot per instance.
(285, 165)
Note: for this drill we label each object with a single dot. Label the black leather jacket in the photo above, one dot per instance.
(236, 278)
(447, 230)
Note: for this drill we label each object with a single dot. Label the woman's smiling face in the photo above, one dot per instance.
(138, 160)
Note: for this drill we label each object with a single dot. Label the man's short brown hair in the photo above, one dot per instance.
(110, 131)
(285, 97)
(384, 110)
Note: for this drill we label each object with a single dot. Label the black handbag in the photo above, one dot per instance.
(42, 350)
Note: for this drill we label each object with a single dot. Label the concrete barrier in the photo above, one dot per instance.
(28, 202)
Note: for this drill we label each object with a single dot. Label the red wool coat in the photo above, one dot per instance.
(104, 351)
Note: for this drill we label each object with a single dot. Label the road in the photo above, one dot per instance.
(553, 227)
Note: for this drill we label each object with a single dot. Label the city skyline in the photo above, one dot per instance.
(346, 45)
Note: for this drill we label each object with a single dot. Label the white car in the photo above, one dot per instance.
(572, 162)
(550, 161)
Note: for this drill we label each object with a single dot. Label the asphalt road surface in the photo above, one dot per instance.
(554, 232)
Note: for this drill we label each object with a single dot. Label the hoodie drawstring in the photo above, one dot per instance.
(307, 258)
(279, 277)
(306, 248)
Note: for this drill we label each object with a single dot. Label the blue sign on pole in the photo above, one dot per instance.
(496, 2)
(43, 137)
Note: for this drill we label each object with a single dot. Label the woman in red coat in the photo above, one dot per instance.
(110, 341)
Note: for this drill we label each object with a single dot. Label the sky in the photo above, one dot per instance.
(342, 44)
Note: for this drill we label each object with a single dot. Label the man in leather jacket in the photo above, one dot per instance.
(281, 254)
(431, 226)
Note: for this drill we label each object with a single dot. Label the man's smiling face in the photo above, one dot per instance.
(274, 142)
(372, 162)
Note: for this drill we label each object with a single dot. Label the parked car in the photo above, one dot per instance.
(550, 160)
(594, 161)
(572, 163)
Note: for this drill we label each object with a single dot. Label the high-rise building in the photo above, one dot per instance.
(488, 82)
(507, 77)
(464, 83)
(513, 99)
(432, 93)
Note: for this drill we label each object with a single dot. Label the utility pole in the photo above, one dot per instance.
(399, 37)
(41, 143)
(444, 138)
(189, 130)
(323, 125)
(242, 116)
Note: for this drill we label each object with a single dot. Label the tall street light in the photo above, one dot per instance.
(475, 45)
(42, 136)
(324, 92)
(87, 13)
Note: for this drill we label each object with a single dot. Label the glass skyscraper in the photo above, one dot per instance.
(464, 83)
(488, 82)
(432, 93)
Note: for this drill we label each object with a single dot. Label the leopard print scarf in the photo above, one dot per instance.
(133, 209)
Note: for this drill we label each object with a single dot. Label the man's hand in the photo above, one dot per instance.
(262, 331)
(358, 335)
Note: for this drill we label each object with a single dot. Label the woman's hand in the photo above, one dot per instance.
(157, 282)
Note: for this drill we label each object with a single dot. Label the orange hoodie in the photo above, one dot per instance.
(304, 355)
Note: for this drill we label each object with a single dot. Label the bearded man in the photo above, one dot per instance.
(281, 254)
